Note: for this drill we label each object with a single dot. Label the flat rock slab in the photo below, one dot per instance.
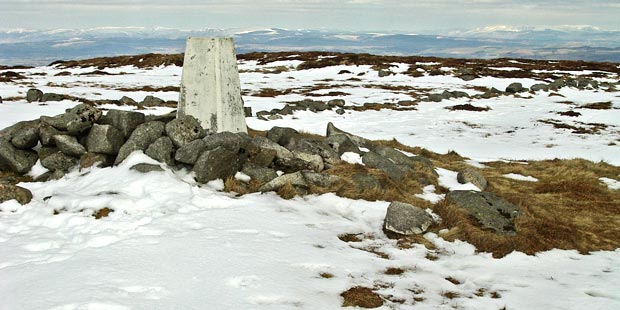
(491, 211)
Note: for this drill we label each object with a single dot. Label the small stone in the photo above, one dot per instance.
(184, 130)
(384, 73)
(295, 179)
(10, 192)
(247, 111)
(405, 219)
(69, 145)
(146, 168)
(34, 95)
(340, 111)
(105, 139)
(47, 133)
(59, 161)
(472, 176)
(336, 103)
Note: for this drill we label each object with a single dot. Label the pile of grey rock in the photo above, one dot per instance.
(303, 105)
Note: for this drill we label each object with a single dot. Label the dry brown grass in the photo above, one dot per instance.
(287, 191)
(362, 297)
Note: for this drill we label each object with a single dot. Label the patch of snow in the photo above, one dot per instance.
(447, 179)
(611, 183)
(520, 177)
(352, 158)
(242, 177)
(428, 194)
(476, 164)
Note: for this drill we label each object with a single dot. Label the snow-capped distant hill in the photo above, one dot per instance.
(35, 47)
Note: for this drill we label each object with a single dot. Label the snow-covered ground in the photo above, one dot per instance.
(174, 244)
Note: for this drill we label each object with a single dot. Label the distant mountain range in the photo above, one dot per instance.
(37, 47)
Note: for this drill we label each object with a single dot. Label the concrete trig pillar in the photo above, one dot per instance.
(210, 87)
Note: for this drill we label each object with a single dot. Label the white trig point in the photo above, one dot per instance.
(210, 87)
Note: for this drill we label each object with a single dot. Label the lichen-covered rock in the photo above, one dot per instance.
(188, 154)
(125, 121)
(394, 171)
(491, 211)
(226, 139)
(219, 163)
(316, 147)
(472, 176)
(140, 139)
(77, 120)
(69, 145)
(9, 192)
(265, 144)
(9, 132)
(105, 139)
(13, 159)
(405, 219)
(365, 182)
(316, 161)
(26, 138)
(359, 141)
(59, 161)
(319, 179)
(34, 95)
(52, 97)
(47, 133)
(259, 173)
(162, 150)
(184, 130)
(292, 164)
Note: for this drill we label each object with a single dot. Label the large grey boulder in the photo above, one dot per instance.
(34, 95)
(263, 156)
(188, 154)
(125, 121)
(20, 161)
(405, 219)
(140, 139)
(162, 150)
(491, 211)
(316, 147)
(359, 141)
(394, 171)
(26, 138)
(316, 161)
(292, 164)
(219, 163)
(365, 182)
(394, 155)
(127, 101)
(77, 120)
(59, 161)
(10, 192)
(152, 101)
(45, 151)
(259, 173)
(105, 139)
(319, 179)
(282, 135)
(184, 130)
(9, 132)
(266, 144)
(514, 88)
(230, 140)
(69, 145)
(472, 176)
(342, 143)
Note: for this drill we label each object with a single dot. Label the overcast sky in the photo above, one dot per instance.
(365, 15)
